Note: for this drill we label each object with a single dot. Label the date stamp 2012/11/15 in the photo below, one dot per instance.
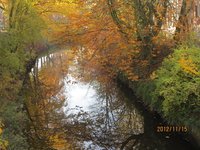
(162, 128)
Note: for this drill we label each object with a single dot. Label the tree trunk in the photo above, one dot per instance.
(183, 26)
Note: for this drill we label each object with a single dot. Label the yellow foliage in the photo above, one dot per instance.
(153, 75)
(1, 130)
(3, 143)
(188, 66)
(59, 142)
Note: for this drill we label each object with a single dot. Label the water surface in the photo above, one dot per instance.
(97, 116)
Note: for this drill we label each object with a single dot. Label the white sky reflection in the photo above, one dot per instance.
(79, 94)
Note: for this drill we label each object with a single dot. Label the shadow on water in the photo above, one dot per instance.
(151, 139)
(69, 113)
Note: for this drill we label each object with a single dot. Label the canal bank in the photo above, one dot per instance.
(143, 90)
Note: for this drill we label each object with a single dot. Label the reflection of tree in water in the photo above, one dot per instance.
(116, 123)
(44, 100)
(110, 122)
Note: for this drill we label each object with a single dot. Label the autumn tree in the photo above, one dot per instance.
(22, 31)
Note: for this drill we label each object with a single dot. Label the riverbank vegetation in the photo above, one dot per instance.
(173, 89)
(152, 44)
(23, 28)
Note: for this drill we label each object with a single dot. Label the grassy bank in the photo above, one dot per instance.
(174, 89)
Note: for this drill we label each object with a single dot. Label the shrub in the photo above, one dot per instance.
(178, 86)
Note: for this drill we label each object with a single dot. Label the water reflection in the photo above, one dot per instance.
(67, 112)
(80, 95)
(44, 100)
(106, 119)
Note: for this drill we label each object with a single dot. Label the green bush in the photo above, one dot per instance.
(17, 47)
(144, 90)
(178, 87)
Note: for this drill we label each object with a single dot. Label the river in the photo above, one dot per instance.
(70, 112)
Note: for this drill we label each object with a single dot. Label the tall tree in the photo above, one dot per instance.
(183, 27)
